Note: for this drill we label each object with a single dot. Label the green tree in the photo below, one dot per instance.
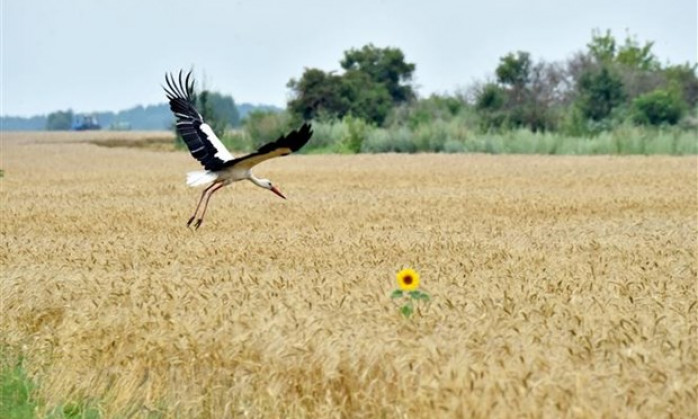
(384, 66)
(514, 69)
(634, 63)
(490, 98)
(489, 102)
(602, 46)
(513, 72)
(59, 120)
(637, 56)
(683, 78)
(316, 93)
(658, 107)
(365, 98)
(599, 93)
(374, 81)
(525, 94)
(605, 50)
(224, 107)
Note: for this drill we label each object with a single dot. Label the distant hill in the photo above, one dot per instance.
(139, 118)
(16, 123)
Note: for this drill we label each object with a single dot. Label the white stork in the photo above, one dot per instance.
(221, 167)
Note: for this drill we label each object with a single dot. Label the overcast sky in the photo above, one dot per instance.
(91, 55)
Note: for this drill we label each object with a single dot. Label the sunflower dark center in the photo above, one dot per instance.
(407, 279)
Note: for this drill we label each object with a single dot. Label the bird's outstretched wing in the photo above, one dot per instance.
(286, 144)
(198, 135)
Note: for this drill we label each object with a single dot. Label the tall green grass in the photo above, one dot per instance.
(16, 388)
(17, 395)
(453, 137)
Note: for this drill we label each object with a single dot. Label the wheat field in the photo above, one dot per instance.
(560, 286)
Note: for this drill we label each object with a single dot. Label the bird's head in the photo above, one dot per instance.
(266, 183)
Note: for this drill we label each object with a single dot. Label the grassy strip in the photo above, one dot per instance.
(17, 395)
(16, 389)
(452, 137)
(355, 136)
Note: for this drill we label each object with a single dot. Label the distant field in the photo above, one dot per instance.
(561, 286)
(153, 140)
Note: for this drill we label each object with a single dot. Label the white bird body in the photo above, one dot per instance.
(228, 176)
(221, 168)
(201, 178)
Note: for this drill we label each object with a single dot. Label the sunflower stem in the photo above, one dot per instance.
(407, 309)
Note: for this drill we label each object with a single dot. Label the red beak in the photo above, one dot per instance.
(278, 192)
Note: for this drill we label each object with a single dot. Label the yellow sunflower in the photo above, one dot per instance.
(408, 279)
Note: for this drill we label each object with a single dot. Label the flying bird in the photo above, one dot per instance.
(221, 168)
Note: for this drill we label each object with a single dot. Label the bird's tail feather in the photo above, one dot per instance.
(200, 178)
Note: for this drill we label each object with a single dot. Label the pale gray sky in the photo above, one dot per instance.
(92, 55)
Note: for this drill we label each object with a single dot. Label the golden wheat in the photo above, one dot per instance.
(561, 286)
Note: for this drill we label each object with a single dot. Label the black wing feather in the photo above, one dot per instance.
(293, 140)
(284, 145)
(189, 122)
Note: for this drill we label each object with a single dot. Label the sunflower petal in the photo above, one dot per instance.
(408, 279)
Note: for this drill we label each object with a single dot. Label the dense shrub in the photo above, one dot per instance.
(658, 107)
(265, 126)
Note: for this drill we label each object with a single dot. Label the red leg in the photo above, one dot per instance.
(208, 196)
(199, 203)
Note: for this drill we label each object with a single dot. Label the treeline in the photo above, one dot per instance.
(138, 118)
(145, 118)
(158, 117)
(607, 85)
(612, 97)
